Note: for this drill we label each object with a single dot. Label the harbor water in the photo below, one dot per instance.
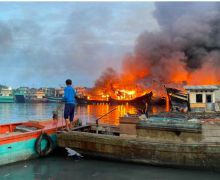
(61, 166)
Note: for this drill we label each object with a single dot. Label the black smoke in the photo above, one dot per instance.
(184, 50)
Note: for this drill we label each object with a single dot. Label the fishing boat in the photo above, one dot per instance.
(20, 94)
(19, 98)
(6, 95)
(26, 140)
(174, 142)
(138, 100)
(6, 99)
(141, 99)
(177, 99)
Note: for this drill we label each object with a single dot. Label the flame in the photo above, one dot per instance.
(139, 77)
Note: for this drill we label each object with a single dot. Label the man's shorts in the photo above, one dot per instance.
(69, 111)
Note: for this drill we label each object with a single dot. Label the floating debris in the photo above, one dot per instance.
(71, 152)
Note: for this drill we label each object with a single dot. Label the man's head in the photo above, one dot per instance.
(68, 82)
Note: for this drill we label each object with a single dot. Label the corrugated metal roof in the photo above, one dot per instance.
(202, 87)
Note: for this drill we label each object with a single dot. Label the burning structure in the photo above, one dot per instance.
(185, 51)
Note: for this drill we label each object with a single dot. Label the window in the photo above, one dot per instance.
(208, 98)
(199, 98)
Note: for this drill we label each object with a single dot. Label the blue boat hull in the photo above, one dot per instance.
(22, 150)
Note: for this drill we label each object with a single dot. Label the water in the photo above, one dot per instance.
(56, 168)
(14, 112)
(60, 167)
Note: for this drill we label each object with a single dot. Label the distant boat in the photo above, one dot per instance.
(22, 141)
(54, 99)
(6, 95)
(31, 99)
(6, 99)
(178, 99)
(19, 98)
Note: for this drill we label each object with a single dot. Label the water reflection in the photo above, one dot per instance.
(15, 112)
(90, 113)
(55, 168)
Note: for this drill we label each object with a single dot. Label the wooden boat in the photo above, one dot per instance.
(22, 140)
(177, 99)
(85, 100)
(137, 100)
(174, 144)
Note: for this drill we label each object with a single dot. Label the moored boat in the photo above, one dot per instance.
(53, 99)
(6, 95)
(6, 99)
(138, 100)
(178, 143)
(22, 141)
(19, 98)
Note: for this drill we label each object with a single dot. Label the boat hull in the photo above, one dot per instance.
(138, 100)
(20, 151)
(17, 140)
(19, 98)
(6, 99)
(177, 99)
(139, 150)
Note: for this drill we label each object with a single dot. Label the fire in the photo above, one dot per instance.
(125, 94)
(138, 78)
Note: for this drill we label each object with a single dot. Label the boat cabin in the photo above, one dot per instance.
(6, 92)
(204, 98)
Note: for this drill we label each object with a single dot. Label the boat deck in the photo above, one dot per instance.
(20, 129)
(9, 134)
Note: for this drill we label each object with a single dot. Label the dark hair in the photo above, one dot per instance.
(68, 82)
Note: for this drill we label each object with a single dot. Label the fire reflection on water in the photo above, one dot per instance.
(89, 113)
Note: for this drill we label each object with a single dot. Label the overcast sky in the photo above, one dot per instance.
(42, 44)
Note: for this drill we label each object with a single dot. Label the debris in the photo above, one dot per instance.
(6, 175)
(71, 152)
(143, 117)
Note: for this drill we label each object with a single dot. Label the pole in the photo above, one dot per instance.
(56, 113)
(97, 120)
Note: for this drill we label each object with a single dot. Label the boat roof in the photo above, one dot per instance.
(201, 87)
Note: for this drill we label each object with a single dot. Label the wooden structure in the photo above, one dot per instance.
(183, 144)
(203, 98)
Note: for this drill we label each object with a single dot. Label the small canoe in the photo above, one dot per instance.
(26, 140)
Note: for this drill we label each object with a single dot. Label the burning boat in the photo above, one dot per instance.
(138, 100)
(177, 99)
(110, 100)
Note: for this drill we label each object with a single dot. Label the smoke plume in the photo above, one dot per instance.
(185, 50)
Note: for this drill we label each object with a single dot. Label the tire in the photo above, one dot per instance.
(49, 147)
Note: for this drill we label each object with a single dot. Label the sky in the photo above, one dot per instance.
(42, 44)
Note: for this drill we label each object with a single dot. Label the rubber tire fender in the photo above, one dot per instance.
(49, 147)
